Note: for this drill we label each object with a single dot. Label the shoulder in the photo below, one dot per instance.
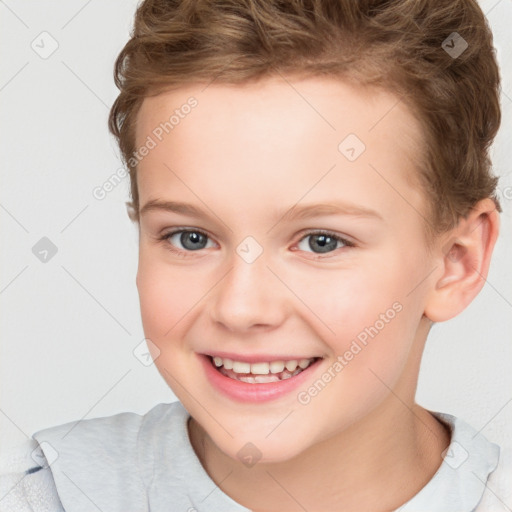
(117, 433)
(109, 445)
(129, 423)
(498, 490)
(106, 459)
(26, 482)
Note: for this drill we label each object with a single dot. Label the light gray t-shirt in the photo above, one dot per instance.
(129, 462)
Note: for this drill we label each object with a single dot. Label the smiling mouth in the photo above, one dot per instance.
(261, 372)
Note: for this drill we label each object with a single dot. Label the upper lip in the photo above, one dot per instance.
(258, 358)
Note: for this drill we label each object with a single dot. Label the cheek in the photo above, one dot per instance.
(347, 301)
(365, 316)
(167, 295)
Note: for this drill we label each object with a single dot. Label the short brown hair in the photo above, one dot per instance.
(399, 45)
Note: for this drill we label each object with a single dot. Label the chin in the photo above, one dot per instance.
(264, 450)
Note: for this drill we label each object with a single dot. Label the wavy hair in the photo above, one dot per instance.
(392, 44)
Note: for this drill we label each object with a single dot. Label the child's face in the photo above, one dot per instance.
(245, 156)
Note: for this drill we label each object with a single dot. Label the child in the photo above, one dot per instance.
(312, 187)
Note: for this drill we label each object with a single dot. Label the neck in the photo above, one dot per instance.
(358, 469)
(378, 463)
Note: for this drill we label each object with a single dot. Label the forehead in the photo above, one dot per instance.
(286, 134)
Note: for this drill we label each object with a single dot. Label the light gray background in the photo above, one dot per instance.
(69, 326)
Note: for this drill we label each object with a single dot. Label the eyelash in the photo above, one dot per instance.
(165, 239)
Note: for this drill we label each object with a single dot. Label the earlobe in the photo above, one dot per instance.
(464, 257)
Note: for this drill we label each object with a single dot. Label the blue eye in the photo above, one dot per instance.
(190, 240)
(183, 241)
(321, 242)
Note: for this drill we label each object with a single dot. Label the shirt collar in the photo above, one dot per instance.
(458, 484)
(460, 481)
(191, 478)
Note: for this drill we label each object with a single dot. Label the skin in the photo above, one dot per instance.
(246, 155)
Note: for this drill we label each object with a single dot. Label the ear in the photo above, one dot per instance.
(463, 256)
(132, 212)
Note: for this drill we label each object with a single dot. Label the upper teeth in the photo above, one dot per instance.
(261, 368)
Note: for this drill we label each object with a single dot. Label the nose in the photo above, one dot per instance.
(249, 297)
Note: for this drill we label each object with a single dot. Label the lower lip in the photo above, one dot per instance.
(246, 392)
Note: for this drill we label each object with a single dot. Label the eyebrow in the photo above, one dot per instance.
(293, 213)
